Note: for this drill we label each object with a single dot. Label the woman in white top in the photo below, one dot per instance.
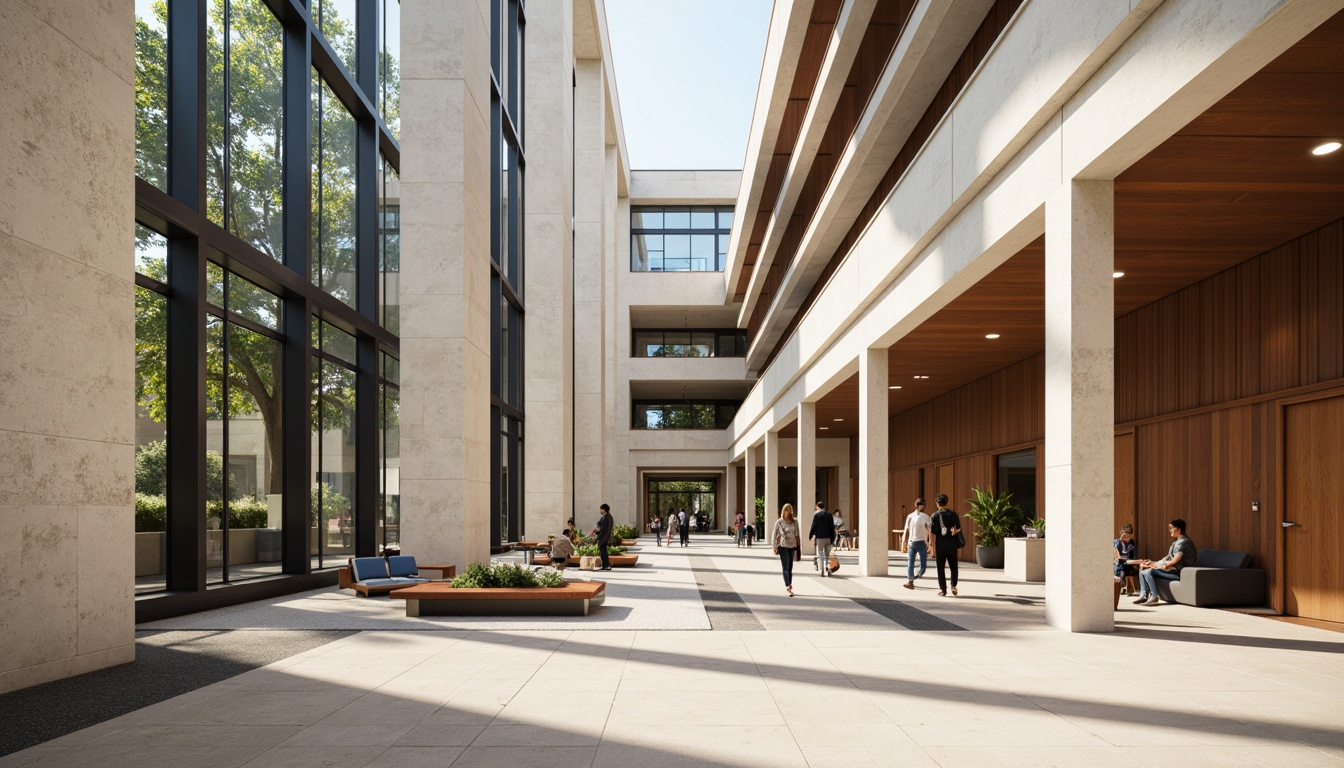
(785, 539)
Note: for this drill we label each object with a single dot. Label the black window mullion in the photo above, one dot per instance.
(186, 102)
(366, 448)
(297, 170)
(224, 437)
(186, 416)
(298, 454)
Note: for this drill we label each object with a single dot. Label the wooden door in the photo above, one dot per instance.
(1313, 453)
(944, 485)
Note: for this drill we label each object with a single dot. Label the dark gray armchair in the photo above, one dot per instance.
(1221, 578)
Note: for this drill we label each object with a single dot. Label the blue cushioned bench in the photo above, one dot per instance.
(374, 575)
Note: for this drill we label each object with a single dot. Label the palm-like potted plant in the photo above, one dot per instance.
(994, 515)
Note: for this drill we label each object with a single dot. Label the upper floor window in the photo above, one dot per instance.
(669, 238)
(683, 414)
(689, 343)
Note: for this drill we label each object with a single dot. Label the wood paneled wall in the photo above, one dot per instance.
(1199, 379)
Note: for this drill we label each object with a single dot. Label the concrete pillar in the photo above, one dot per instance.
(548, 384)
(445, 282)
(728, 510)
(591, 416)
(1079, 404)
(67, 339)
(750, 462)
(807, 467)
(771, 467)
(873, 450)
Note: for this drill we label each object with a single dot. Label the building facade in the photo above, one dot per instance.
(289, 281)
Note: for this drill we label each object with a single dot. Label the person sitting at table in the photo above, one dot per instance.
(1180, 556)
(561, 550)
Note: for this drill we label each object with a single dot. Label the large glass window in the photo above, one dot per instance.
(683, 414)
(334, 194)
(507, 257)
(151, 92)
(389, 453)
(244, 429)
(260, 168)
(389, 247)
(689, 343)
(245, 116)
(151, 411)
(389, 65)
(679, 238)
(1017, 475)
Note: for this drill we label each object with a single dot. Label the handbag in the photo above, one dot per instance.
(797, 554)
(961, 541)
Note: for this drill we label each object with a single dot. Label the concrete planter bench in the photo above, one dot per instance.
(575, 598)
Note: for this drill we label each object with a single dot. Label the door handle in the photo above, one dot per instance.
(1289, 525)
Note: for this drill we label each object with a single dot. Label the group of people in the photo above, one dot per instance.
(786, 539)
(1128, 567)
(941, 532)
(678, 525)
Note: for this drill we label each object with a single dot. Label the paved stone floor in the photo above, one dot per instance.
(704, 662)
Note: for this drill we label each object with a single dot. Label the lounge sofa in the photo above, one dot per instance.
(374, 575)
(1220, 578)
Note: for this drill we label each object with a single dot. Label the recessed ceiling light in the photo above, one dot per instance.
(918, 376)
(837, 419)
(1117, 275)
(823, 427)
(894, 386)
(991, 335)
(1326, 148)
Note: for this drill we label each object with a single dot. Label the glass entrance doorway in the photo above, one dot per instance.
(695, 495)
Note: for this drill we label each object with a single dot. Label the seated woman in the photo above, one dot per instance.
(561, 550)
(842, 540)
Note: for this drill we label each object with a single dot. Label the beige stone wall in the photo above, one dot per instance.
(590, 266)
(67, 339)
(549, 296)
(445, 287)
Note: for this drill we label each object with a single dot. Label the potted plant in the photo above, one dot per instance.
(994, 515)
(1035, 529)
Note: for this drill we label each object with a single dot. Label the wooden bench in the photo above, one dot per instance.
(617, 561)
(575, 598)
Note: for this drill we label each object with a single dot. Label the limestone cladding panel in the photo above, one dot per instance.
(935, 251)
(678, 289)
(692, 369)
(67, 338)
(446, 296)
(684, 187)
(612, 345)
(590, 259)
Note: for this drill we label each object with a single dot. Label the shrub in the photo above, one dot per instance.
(591, 549)
(337, 504)
(481, 576)
(625, 532)
(151, 512)
(151, 470)
(550, 578)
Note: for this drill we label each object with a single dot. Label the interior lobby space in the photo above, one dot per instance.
(699, 658)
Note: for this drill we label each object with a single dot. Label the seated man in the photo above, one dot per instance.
(561, 550)
(1181, 554)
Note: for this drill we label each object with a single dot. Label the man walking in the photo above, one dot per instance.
(685, 529)
(946, 530)
(603, 534)
(917, 530)
(823, 533)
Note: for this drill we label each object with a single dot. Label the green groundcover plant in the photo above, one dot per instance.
(482, 576)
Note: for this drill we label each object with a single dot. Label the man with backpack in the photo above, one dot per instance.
(946, 541)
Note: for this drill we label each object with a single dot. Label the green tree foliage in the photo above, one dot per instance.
(151, 100)
(151, 470)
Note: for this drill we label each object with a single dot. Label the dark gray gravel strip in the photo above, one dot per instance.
(167, 664)
(904, 614)
(726, 609)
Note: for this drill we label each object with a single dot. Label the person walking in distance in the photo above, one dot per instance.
(823, 533)
(918, 526)
(740, 526)
(656, 528)
(946, 530)
(685, 528)
(603, 534)
(673, 524)
(785, 539)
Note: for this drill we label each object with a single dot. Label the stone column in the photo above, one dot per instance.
(445, 281)
(591, 417)
(873, 450)
(807, 468)
(771, 467)
(750, 463)
(548, 383)
(728, 511)
(67, 339)
(1079, 404)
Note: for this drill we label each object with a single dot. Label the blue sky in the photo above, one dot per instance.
(687, 72)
